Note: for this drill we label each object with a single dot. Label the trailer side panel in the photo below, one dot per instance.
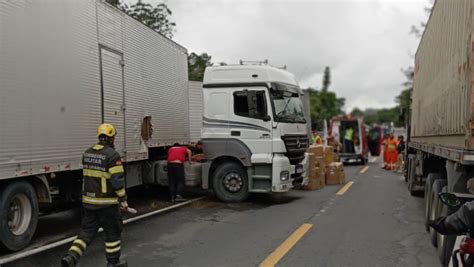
(442, 85)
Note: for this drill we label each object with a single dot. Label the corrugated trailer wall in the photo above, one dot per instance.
(50, 83)
(196, 109)
(155, 79)
(440, 109)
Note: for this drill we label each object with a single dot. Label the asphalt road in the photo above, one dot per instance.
(374, 223)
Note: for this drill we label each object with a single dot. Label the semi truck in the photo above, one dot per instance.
(254, 132)
(68, 66)
(440, 155)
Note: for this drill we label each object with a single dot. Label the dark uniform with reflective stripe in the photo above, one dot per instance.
(103, 190)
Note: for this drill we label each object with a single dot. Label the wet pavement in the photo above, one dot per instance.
(374, 223)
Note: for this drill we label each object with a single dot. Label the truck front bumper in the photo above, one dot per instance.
(280, 167)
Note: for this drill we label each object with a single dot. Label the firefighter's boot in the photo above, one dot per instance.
(69, 260)
(118, 264)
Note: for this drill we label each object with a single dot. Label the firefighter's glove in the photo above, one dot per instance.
(439, 225)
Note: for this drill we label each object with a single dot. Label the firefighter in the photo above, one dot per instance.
(103, 198)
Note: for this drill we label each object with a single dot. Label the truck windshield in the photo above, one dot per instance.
(288, 107)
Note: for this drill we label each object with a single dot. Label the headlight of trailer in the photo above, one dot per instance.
(284, 175)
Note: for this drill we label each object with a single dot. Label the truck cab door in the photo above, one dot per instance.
(250, 122)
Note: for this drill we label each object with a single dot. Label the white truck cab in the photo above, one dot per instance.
(254, 132)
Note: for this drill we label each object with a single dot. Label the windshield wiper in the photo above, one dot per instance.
(284, 109)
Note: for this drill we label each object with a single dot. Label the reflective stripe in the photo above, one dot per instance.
(80, 242)
(112, 244)
(97, 147)
(112, 250)
(120, 192)
(116, 169)
(103, 185)
(99, 201)
(95, 173)
(76, 249)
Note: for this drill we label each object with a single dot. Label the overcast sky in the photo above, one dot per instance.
(365, 42)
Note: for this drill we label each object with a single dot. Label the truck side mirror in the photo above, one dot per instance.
(449, 199)
(267, 118)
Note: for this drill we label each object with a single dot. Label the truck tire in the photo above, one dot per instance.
(428, 184)
(408, 168)
(435, 189)
(411, 178)
(230, 182)
(445, 242)
(18, 215)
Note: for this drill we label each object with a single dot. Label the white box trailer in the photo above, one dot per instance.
(66, 67)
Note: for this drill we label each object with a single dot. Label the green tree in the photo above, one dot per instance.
(197, 65)
(158, 18)
(324, 105)
(357, 112)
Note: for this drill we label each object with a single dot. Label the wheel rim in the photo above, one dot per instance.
(233, 182)
(19, 214)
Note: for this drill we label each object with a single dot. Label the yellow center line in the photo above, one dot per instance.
(364, 170)
(345, 188)
(286, 246)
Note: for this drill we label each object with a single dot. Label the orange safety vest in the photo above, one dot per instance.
(391, 145)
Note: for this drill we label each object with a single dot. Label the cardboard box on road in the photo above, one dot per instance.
(316, 179)
(335, 174)
(329, 155)
(317, 150)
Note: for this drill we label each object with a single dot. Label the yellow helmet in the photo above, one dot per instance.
(106, 129)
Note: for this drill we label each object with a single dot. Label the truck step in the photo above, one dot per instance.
(262, 177)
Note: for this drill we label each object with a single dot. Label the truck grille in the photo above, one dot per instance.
(296, 146)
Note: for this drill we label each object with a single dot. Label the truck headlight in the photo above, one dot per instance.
(284, 175)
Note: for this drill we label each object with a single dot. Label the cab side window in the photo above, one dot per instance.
(250, 104)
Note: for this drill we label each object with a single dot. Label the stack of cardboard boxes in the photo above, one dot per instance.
(324, 168)
(316, 168)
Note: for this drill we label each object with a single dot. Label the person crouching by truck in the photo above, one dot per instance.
(401, 153)
(176, 177)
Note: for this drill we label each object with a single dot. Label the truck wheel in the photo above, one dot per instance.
(435, 189)
(445, 242)
(230, 182)
(411, 178)
(18, 215)
(428, 184)
(408, 168)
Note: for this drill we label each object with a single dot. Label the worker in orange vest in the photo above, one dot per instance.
(385, 151)
(392, 154)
